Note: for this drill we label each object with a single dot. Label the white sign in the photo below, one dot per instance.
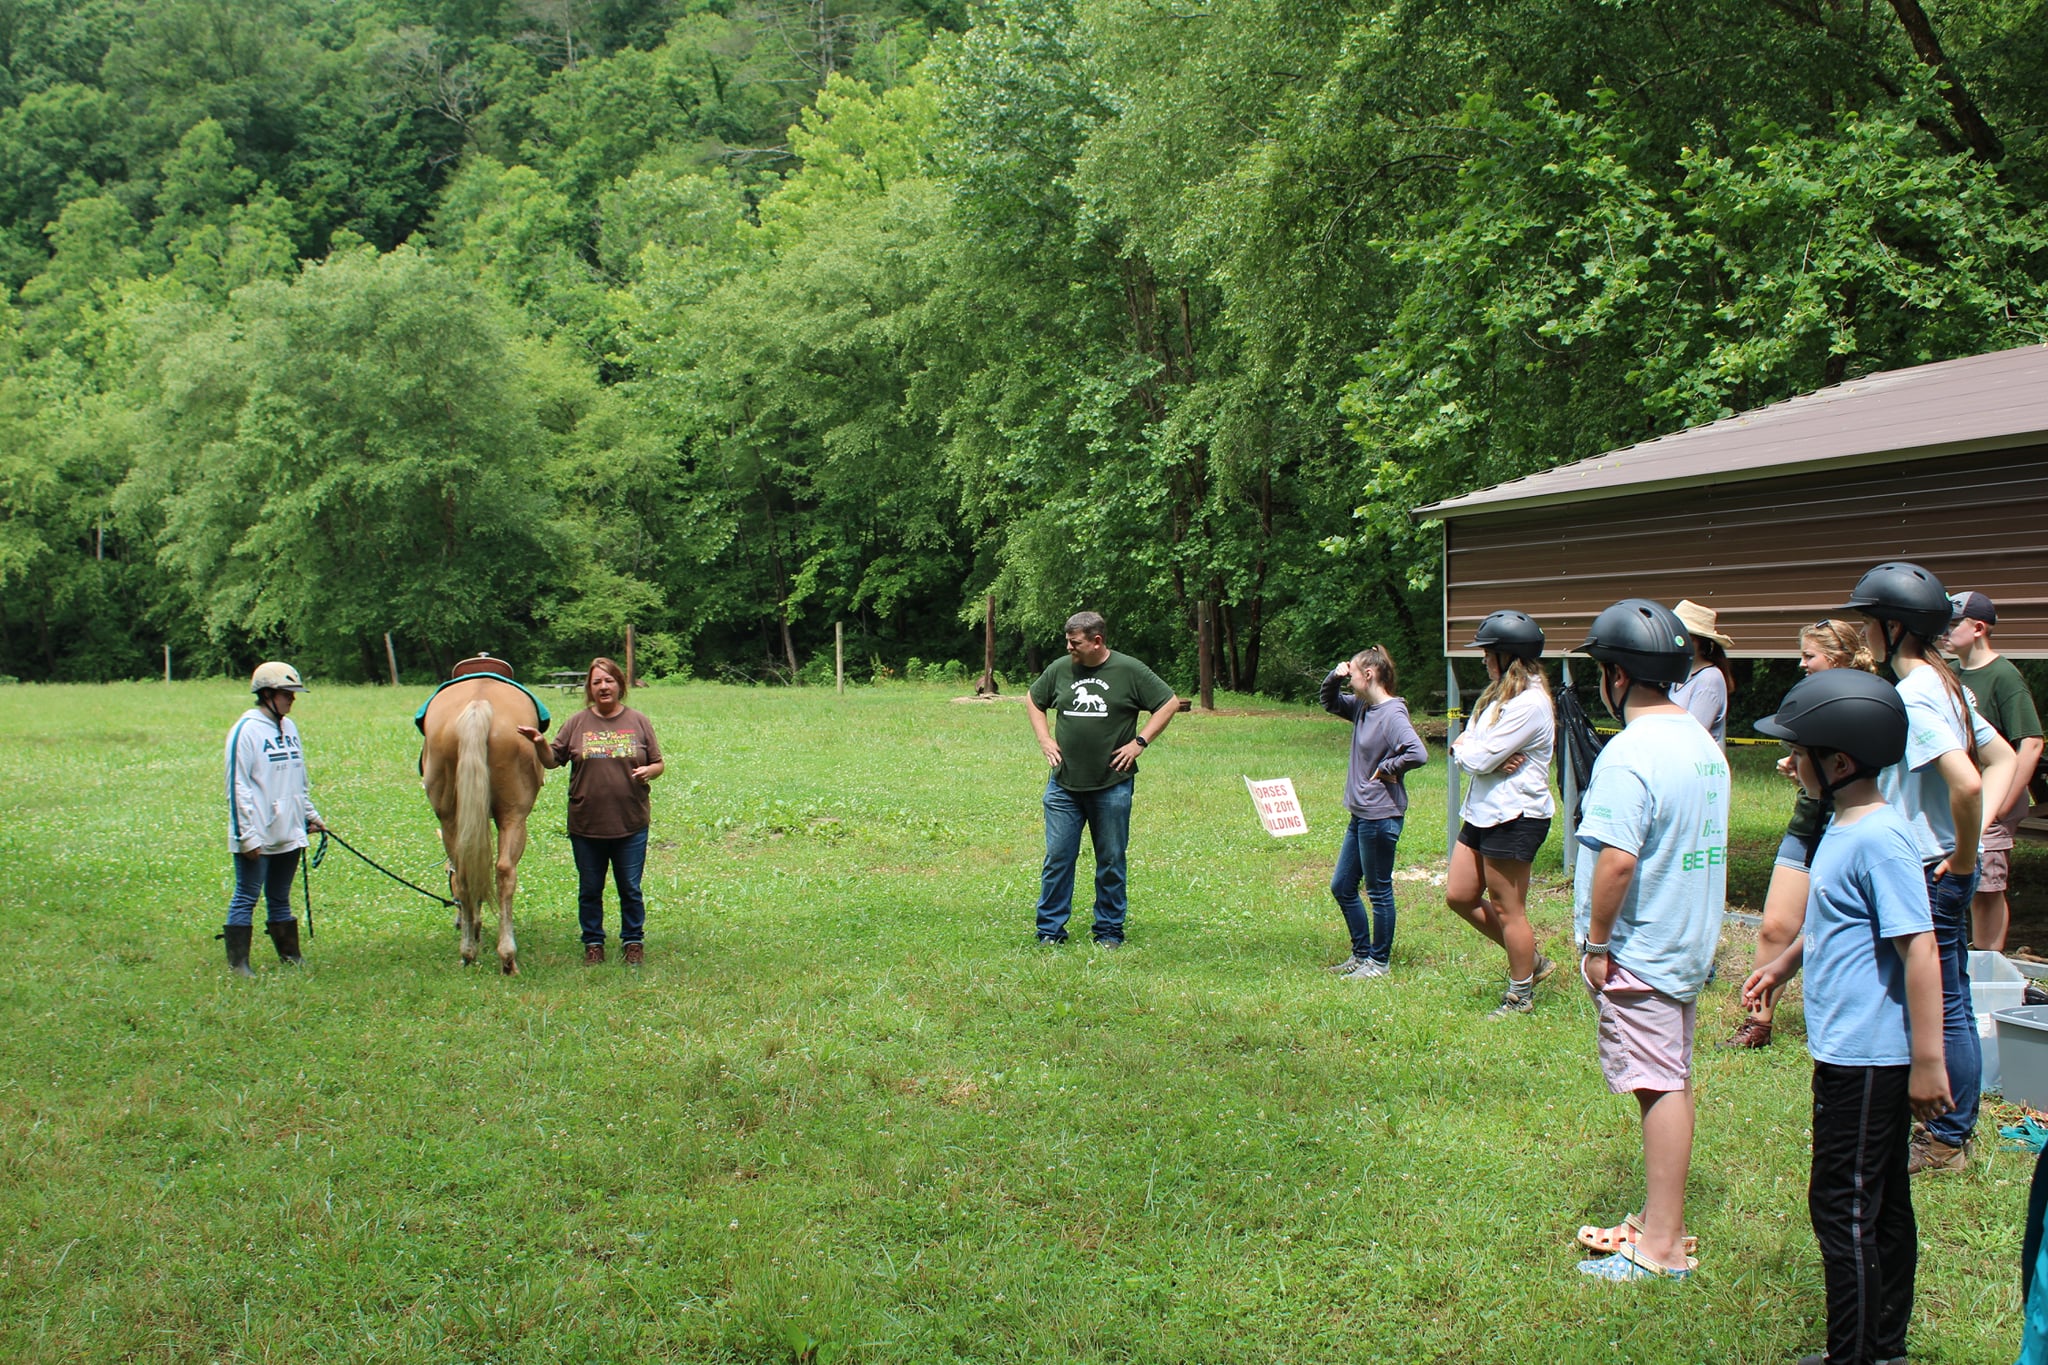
(1278, 809)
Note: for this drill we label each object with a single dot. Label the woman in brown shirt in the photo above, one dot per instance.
(612, 756)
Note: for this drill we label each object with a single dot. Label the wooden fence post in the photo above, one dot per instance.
(630, 680)
(391, 657)
(839, 656)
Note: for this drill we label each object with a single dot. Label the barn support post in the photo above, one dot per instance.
(1453, 714)
(1568, 782)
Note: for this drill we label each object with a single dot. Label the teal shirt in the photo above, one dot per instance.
(1095, 713)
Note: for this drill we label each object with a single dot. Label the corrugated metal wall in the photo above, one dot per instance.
(1770, 555)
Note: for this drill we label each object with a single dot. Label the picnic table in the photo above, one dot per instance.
(566, 679)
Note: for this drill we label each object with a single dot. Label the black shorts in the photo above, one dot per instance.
(1513, 841)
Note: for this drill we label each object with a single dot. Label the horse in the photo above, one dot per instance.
(478, 769)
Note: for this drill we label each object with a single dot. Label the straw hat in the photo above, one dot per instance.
(1700, 621)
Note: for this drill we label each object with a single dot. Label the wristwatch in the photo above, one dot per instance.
(1141, 741)
(1588, 948)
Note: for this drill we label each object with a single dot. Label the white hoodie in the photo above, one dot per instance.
(268, 800)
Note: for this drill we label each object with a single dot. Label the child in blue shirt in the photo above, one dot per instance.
(1873, 1009)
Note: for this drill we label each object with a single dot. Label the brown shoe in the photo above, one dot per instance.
(1930, 1153)
(635, 955)
(1750, 1033)
(593, 954)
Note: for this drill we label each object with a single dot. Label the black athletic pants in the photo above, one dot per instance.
(1862, 1210)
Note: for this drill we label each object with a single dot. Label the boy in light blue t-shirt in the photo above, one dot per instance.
(1650, 889)
(1873, 1008)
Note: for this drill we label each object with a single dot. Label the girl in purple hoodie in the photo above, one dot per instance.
(1384, 748)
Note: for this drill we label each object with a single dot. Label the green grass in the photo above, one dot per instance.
(847, 1111)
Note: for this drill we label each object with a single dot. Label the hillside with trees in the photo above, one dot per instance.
(503, 324)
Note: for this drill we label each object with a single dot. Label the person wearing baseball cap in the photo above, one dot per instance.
(270, 810)
(2003, 699)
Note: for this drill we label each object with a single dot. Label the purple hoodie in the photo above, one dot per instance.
(1383, 739)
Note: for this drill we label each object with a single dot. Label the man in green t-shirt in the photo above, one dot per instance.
(2003, 699)
(1097, 695)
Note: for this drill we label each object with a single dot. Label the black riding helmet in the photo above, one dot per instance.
(1643, 637)
(1646, 640)
(1512, 633)
(1846, 711)
(1904, 594)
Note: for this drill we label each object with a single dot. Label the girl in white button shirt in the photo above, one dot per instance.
(1505, 754)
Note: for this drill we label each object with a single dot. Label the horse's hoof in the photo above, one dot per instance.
(509, 967)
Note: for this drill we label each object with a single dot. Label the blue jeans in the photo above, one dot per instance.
(625, 859)
(1107, 814)
(1950, 900)
(1368, 853)
(271, 874)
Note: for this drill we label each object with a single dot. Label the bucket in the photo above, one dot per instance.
(1995, 984)
(2023, 1051)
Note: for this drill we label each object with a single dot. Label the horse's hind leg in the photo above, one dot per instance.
(511, 845)
(466, 897)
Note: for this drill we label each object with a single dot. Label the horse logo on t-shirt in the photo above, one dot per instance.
(1088, 702)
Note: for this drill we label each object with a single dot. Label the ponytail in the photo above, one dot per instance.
(1957, 696)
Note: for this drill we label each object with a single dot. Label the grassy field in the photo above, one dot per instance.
(847, 1111)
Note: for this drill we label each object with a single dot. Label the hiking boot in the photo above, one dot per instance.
(1346, 967)
(635, 954)
(284, 934)
(1930, 1153)
(237, 937)
(1544, 967)
(593, 954)
(1511, 1005)
(1368, 969)
(1750, 1033)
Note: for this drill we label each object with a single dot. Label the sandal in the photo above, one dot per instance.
(1630, 1264)
(1624, 1234)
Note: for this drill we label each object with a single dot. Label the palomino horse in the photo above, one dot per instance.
(478, 770)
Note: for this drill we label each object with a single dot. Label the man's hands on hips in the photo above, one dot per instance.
(1126, 758)
(1051, 749)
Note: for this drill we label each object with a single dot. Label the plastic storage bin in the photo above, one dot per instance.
(1995, 984)
(2023, 1050)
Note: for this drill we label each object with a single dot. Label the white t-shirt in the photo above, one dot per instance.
(1705, 694)
(1660, 790)
(1526, 725)
(1914, 785)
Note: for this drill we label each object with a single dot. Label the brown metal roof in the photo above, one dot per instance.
(1979, 403)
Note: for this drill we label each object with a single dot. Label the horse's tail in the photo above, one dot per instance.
(475, 859)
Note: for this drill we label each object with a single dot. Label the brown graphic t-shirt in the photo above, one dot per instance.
(604, 800)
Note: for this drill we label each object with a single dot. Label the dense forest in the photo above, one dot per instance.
(503, 324)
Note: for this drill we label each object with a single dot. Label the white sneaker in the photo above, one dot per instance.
(1367, 969)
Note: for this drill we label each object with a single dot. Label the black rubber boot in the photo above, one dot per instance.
(285, 934)
(237, 936)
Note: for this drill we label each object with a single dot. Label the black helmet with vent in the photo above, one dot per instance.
(1644, 638)
(1512, 633)
(1845, 710)
(1905, 593)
